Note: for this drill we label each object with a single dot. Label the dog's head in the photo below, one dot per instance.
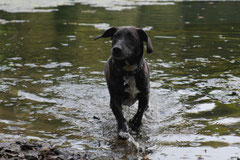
(127, 42)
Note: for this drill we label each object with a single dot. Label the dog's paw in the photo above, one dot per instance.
(134, 125)
(123, 135)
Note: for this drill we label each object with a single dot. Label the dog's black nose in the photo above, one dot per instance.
(117, 50)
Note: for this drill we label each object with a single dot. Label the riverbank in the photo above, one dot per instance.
(37, 150)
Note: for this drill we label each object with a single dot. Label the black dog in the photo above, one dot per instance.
(127, 74)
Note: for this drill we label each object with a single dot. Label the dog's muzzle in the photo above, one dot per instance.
(117, 53)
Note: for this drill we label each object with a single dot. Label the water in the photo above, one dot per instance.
(52, 86)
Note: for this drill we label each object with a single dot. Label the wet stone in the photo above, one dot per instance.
(35, 151)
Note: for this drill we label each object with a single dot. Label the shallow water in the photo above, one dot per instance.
(52, 86)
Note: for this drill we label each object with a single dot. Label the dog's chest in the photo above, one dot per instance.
(130, 88)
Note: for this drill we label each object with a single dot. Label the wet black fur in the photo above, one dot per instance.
(126, 61)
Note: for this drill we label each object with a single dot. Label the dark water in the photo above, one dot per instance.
(52, 86)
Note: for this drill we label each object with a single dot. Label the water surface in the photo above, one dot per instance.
(52, 86)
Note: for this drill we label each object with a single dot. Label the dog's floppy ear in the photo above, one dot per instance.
(108, 33)
(146, 39)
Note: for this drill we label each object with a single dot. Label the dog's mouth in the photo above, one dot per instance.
(118, 58)
(120, 53)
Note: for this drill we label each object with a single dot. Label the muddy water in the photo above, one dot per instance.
(52, 86)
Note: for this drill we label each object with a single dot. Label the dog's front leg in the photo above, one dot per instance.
(116, 106)
(136, 121)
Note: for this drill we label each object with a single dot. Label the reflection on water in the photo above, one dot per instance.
(52, 85)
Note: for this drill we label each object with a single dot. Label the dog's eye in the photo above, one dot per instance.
(130, 37)
(115, 37)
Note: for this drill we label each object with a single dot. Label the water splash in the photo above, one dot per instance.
(134, 142)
